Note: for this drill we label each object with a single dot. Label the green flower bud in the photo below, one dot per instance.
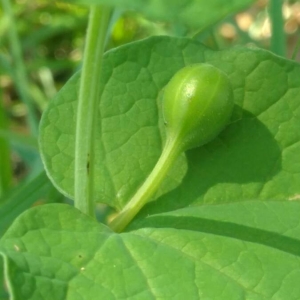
(197, 105)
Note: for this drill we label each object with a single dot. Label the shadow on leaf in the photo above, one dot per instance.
(234, 166)
(226, 229)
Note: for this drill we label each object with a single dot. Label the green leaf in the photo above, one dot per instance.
(56, 252)
(193, 13)
(256, 157)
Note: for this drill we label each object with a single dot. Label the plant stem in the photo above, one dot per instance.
(89, 95)
(21, 79)
(278, 42)
(149, 187)
(5, 162)
(296, 50)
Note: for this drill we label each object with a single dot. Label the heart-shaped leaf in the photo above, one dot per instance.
(256, 157)
(56, 252)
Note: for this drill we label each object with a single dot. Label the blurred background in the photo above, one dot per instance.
(51, 38)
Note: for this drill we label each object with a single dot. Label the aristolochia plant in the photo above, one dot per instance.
(196, 150)
(197, 105)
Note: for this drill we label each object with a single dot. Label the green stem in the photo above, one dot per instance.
(149, 187)
(5, 162)
(296, 50)
(278, 41)
(20, 74)
(89, 96)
